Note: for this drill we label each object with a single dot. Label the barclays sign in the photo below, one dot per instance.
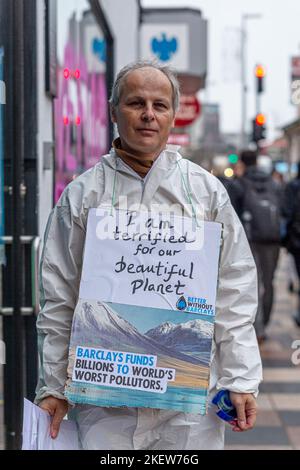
(164, 48)
(168, 43)
(176, 37)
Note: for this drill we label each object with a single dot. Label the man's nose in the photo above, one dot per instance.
(148, 114)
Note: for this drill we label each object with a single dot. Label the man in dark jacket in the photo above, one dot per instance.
(258, 202)
(291, 212)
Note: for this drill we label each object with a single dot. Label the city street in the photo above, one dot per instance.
(278, 424)
(183, 111)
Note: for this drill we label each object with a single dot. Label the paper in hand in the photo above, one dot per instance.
(36, 431)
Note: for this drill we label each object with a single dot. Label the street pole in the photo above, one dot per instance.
(14, 425)
(244, 82)
(257, 102)
(244, 115)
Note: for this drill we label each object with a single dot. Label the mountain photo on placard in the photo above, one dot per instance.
(192, 338)
(184, 347)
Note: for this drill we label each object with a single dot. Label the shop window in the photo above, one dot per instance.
(80, 106)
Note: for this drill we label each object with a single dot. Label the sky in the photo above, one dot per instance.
(272, 40)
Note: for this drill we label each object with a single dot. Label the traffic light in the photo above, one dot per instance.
(233, 158)
(259, 128)
(260, 74)
(260, 119)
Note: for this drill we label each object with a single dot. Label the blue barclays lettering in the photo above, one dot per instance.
(79, 352)
(88, 353)
(139, 359)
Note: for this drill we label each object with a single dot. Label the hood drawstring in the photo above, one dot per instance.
(113, 198)
(187, 193)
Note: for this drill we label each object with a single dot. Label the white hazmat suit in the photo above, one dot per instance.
(235, 365)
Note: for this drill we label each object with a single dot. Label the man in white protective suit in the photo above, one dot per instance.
(142, 167)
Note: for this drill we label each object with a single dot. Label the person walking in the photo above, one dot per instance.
(291, 213)
(258, 204)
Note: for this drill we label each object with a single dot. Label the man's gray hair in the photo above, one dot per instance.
(140, 64)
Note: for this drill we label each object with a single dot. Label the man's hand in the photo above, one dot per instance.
(246, 408)
(57, 409)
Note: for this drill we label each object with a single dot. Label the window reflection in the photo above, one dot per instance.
(80, 109)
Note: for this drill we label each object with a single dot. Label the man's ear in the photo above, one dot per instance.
(113, 114)
(173, 122)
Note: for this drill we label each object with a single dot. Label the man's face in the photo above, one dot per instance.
(144, 115)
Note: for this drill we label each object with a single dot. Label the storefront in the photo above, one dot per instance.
(55, 72)
(18, 160)
(292, 134)
(84, 76)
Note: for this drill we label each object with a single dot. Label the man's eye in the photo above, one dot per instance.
(161, 105)
(135, 103)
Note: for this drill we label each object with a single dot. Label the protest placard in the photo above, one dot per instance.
(143, 325)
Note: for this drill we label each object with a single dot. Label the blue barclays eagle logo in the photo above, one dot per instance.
(99, 49)
(164, 48)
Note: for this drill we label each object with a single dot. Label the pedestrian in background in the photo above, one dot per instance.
(258, 204)
(220, 163)
(291, 212)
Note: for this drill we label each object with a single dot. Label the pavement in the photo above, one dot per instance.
(278, 423)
